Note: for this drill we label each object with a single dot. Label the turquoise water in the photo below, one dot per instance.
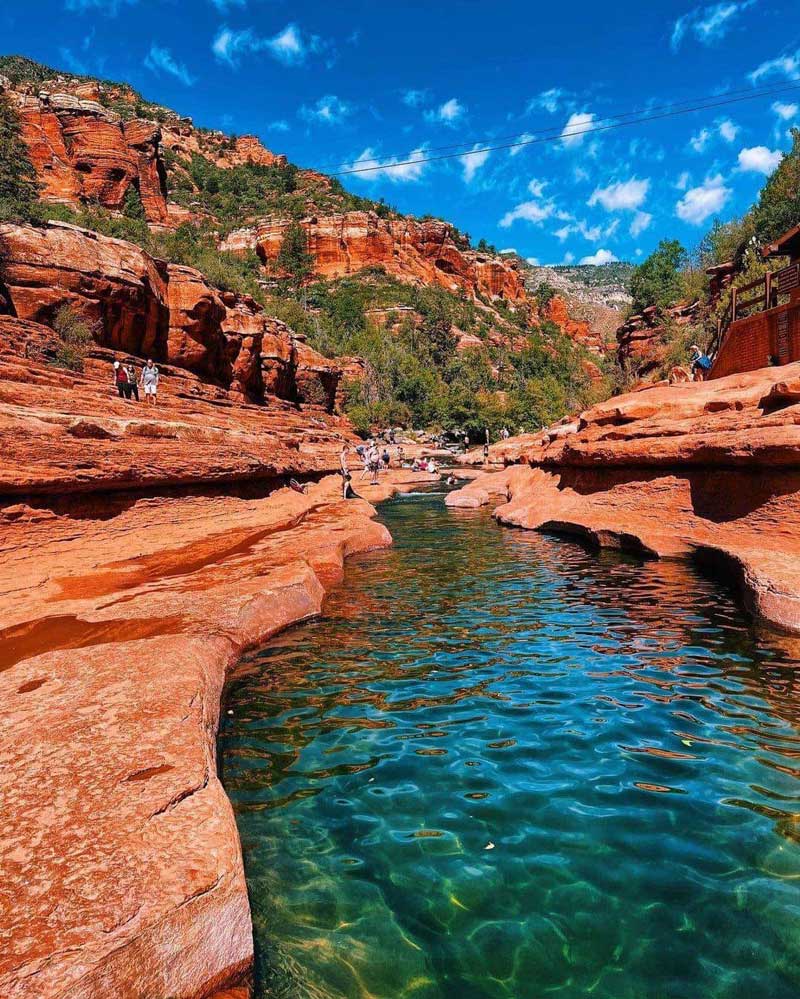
(504, 766)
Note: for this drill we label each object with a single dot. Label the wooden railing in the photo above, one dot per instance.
(765, 294)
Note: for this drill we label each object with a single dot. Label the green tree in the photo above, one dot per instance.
(19, 189)
(293, 258)
(657, 281)
(778, 207)
(132, 206)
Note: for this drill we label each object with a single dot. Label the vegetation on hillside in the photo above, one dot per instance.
(19, 189)
(407, 334)
(671, 275)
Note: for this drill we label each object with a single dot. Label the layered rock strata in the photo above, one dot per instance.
(709, 470)
(423, 251)
(138, 305)
(122, 613)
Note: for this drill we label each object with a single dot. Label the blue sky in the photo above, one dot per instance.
(331, 84)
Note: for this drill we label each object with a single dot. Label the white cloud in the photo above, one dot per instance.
(288, 46)
(580, 174)
(450, 113)
(708, 24)
(533, 261)
(576, 126)
(641, 221)
(724, 128)
(759, 159)
(601, 257)
(525, 137)
(700, 141)
(547, 100)
(563, 233)
(278, 126)
(473, 161)
(160, 60)
(569, 257)
(223, 6)
(329, 110)
(701, 202)
(398, 170)
(683, 181)
(530, 211)
(787, 65)
(624, 196)
(785, 111)
(414, 98)
(536, 187)
(508, 249)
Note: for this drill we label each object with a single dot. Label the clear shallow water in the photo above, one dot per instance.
(612, 729)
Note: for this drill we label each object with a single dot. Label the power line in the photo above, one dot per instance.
(753, 93)
(666, 111)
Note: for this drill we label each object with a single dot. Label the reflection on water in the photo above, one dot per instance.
(504, 766)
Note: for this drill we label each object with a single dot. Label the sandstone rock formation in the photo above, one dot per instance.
(139, 305)
(642, 339)
(580, 330)
(705, 469)
(122, 613)
(410, 250)
(83, 151)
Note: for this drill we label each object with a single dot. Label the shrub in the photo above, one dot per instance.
(19, 189)
(75, 338)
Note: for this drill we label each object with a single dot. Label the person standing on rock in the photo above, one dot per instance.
(121, 380)
(374, 464)
(133, 388)
(149, 381)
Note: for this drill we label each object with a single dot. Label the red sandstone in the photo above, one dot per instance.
(706, 469)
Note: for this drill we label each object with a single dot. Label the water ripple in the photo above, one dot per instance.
(504, 766)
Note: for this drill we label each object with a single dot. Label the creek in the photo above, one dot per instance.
(503, 765)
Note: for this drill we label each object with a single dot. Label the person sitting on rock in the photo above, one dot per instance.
(385, 458)
(133, 388)
(121, 380)
(149, 381)
(701, 363)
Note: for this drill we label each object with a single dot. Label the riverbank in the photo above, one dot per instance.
(709, 471)
(122, 612)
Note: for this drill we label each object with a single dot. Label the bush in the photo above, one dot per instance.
(75, 338)
(19, 189)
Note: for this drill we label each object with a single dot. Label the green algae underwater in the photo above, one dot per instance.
(505, 766)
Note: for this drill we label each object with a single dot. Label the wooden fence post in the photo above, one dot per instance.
(733, 304)
(768, 290)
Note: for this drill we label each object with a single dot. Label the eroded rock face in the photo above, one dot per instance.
(411, 250)
(709, 468)
(82, 151)
(141, 306)
(642, 338)
(579, 330)
(115, 285)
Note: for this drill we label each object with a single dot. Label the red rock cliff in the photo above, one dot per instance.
(425, 252)
(141, 306)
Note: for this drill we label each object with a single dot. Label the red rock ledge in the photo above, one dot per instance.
(122, 612)
(710, 471)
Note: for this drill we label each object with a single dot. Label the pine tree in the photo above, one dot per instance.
(293, 258)
(18, 187)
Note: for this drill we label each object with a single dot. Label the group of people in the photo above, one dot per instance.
(128, 384)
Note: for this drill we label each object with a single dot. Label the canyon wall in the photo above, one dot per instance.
(422, 251)
(141, 306)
